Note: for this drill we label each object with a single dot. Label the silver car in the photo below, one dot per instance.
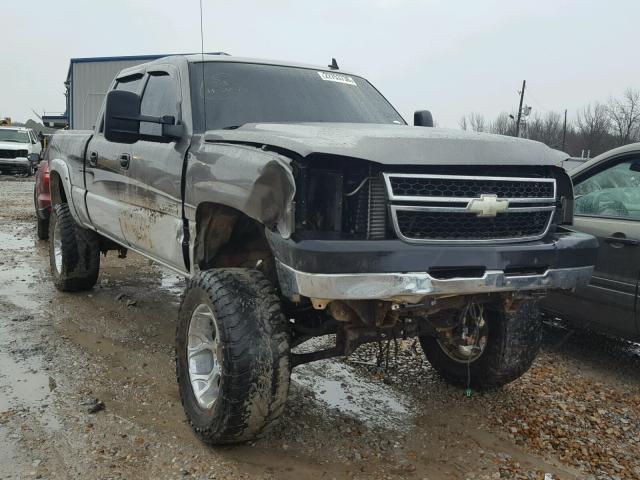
(607, 205)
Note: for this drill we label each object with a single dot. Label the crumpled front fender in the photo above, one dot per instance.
(256, 182)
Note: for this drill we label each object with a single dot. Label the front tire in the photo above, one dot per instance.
(512, 342)
(74, 252)
(232, 355)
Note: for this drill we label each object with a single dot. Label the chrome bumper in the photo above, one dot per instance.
(22, 162)
(412, 287)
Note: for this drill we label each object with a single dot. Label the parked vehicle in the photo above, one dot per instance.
(19, 150)
(572, 163)
(607, 205)
(299, 203)
(42, 200)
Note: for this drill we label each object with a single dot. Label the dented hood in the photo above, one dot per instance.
(393, 144)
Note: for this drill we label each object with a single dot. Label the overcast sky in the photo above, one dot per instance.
(449, 57)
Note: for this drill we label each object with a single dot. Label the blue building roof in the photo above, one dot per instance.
(127, 57)
(141, 58)
(133, 57)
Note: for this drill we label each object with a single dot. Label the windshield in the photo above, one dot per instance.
(9, 135)
(239, 93)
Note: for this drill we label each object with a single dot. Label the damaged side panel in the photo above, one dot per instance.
(255, 182)
(66, 166)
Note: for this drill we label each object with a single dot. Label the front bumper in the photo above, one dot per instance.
(394, 270)
(412, 287)
(18, 163)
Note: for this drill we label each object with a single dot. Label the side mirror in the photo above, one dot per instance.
(122, 117)
(122, 120)
(171, 130)
(423, 118)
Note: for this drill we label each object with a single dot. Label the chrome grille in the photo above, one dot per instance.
(449, 208)
(13, 153)
(410, 187)
(430, 225)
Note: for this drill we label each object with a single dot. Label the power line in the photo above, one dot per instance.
(537, 102)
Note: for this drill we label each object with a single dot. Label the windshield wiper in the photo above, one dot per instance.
(11, 140)
(232, 127)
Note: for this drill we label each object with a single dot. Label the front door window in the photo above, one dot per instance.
(611, 193)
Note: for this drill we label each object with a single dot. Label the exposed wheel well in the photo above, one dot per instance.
(226, 237)
(58, 194)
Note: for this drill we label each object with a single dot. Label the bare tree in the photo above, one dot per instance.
(593, 126)
(477, 122)
(463, 123)
(624, 115)
(546, 129)
(503, 125)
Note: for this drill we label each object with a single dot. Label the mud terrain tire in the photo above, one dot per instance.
(78, 250)
(42, 228)
(512, 345)
(252, 354)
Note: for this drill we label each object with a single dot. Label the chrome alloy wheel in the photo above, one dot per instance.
(202, 356)
(57, 248)
(466, 342)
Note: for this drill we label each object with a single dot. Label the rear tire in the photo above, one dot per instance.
(235, 382)
(42, 228)
(74, 252)
(512, 345)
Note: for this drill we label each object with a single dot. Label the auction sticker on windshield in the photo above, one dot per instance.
(337, 77)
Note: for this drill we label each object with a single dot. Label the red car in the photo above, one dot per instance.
(42, 200)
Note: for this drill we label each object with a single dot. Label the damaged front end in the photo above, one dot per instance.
(357, 268)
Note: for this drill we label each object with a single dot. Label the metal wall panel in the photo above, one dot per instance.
(89, 84)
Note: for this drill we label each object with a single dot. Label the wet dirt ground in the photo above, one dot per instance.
(575, 415)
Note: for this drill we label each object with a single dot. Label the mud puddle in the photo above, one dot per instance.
(10, 241)
(340, 386)
(24, 383)
(171, 282)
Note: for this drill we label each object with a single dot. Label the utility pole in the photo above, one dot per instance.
(524, 84)
(564, 130)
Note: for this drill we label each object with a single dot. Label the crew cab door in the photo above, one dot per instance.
(107, 183)
(152, 220)
(608, 207)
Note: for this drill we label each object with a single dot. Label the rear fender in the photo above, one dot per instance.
(62, 190)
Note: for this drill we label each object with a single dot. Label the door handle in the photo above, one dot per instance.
(93, 159)
(125, 158)
(619, 240)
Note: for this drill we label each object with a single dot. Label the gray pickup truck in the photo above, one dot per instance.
(298, 203)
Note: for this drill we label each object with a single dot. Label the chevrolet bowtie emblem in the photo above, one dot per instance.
(487, 206)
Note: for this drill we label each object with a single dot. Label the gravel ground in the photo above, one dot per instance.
(87, 390)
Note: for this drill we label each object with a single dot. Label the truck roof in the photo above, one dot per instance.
(197, 58)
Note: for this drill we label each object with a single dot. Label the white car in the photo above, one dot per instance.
(19, 150)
